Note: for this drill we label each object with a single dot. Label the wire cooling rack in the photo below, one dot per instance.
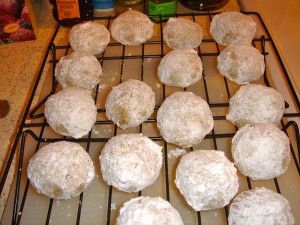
(100, 203)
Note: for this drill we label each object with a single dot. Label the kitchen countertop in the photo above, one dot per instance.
(20, 62)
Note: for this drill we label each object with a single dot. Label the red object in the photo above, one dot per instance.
(25, 14)
(15, 22)
(23, 34)
(5, 18)
(10, 7)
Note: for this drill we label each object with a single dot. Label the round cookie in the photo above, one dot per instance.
(261, 151)
(129, 104)
(132, 28)
(254, 103)
(71, 112)
(206, 179)
(148, 210)
(241, 63)
(90, 37)
(130, 162)
(182, 33)
(184, 119)
(79, 69)
(260, 206)
(61, 170)
(180, 68)
(232, 27)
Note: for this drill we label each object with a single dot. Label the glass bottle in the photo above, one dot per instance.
(163, 7)
(204, 5)
(129, 2)
(125, 5)
(65, 9)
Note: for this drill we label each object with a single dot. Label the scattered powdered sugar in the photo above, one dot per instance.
(148, 60)
(176, 152)
(102, 87)
(95, 131)
(113, 206)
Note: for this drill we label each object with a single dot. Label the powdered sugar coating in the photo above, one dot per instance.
(79, 69)
(61, 170)
(129, 104)
(130, 162)
(71, 112)
(148, 211)
(241, 63)
(184, 119)
(180, 67)
(182, 33)
(206, 179)
(232, 27)
(261, 151)
(132, 28)
(255, 103)
(260, 206)
(90, 37)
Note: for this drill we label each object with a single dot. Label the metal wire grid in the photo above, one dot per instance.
(37, 127)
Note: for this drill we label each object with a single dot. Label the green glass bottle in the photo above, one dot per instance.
(163, 7)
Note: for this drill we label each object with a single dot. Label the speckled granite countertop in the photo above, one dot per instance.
(20, 64)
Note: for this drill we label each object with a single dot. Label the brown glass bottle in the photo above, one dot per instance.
(71, 9)
(203, 5)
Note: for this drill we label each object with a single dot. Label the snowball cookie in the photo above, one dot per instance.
(61, 170)
(132, 28)
(130, 162)
(148, 211)
(79, 69)
(260, 206)
(261, 151)
(206, 179)
(254, 103)
(182, 33)
(232, 27)
(241, 63)
(90, 37)
(129, 104)
(71, 112)
(180, 68)
(184, 119)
